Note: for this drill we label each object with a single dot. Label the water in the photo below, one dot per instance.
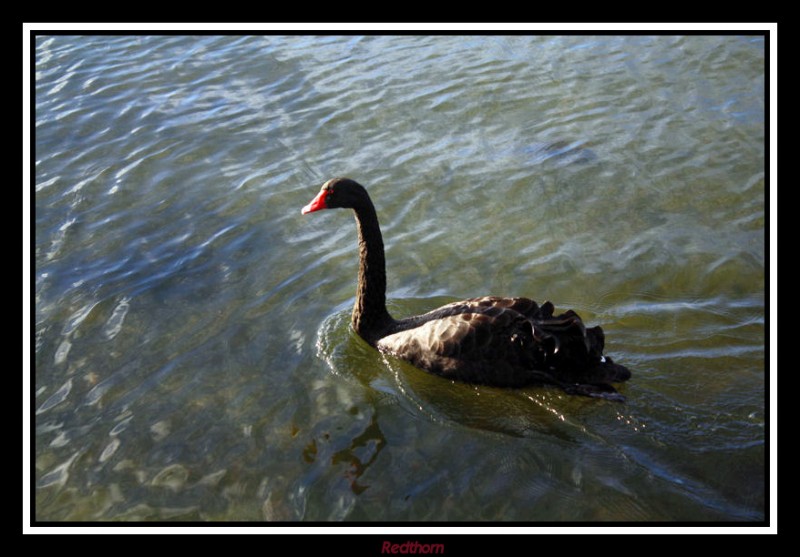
(192, 354)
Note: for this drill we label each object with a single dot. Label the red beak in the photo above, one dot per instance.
(316, 204)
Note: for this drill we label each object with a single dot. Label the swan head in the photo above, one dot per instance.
(337, 193)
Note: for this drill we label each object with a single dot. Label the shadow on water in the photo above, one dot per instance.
(618, 447)
(355, 458)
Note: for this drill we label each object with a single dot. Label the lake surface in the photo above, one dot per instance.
(192, 355)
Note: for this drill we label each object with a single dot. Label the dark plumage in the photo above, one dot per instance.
(506, 342)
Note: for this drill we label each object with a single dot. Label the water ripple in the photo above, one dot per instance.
(192, 341)
(56, 398)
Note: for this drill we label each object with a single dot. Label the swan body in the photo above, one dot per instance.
(505, 342)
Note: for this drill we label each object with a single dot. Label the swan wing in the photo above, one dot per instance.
(469, 342)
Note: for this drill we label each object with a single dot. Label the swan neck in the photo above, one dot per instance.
(370, 317)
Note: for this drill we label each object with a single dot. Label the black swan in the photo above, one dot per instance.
(505, 342)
